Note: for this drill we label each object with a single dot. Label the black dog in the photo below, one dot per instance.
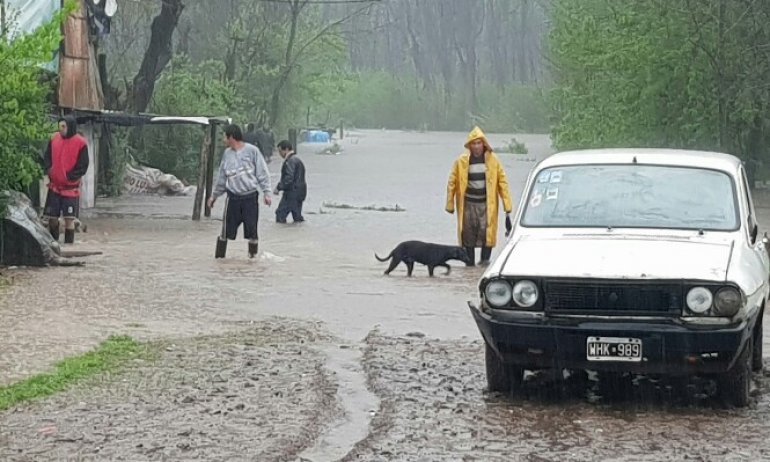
(431, 255)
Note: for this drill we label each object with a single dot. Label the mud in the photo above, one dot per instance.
(434, 408)
(260, 394)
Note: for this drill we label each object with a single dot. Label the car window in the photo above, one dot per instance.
(632, 196)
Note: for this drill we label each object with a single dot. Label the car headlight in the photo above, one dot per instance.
(498, 293)
(727, 302)
(525, 294)
(699, 300)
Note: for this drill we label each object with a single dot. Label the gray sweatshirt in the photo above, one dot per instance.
(242, 172)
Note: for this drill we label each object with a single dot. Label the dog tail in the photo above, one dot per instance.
(383, 259)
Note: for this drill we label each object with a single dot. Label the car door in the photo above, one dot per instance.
(754, 235)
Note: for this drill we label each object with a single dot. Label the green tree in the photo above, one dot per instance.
(657, 73)
(185, 89)
(24, 125)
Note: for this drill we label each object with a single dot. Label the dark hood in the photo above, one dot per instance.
(72, 125)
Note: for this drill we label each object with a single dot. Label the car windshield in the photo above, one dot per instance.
(632, 196)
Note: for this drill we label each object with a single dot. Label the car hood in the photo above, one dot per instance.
(619, 257)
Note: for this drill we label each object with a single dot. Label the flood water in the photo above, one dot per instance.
(421, 360)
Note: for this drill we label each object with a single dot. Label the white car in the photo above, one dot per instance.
(630, 261)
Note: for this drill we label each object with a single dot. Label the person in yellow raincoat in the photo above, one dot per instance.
(476, 184)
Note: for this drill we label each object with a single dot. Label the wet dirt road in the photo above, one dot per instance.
(399, 355)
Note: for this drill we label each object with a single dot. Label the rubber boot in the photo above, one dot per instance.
(69, 236)
(471, 251)
(54, 230)
(221, 250)
(486, 253)
(253, 248)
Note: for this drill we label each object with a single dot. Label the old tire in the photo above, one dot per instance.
(501, 377)
(734, 386)
(757, 355)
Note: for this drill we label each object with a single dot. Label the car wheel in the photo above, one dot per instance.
(734, 386)
(757, 354)
(501, 377)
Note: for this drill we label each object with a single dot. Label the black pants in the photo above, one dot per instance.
(242, 210)
(290, 203)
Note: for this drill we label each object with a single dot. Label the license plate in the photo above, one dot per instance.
(613, 349)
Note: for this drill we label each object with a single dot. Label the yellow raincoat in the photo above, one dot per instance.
(497, 187)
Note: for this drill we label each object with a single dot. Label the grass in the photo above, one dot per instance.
(108, 356)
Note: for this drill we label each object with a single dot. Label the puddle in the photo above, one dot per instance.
(357, 402)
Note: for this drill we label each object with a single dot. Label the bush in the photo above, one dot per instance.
(24, 109)
(515, 147)
(183, 90)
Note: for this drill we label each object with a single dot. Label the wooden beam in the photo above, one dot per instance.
(202, 163)
(210, 167)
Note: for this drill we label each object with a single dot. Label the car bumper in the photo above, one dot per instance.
(668, 348)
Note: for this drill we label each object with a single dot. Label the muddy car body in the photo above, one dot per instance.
(630, 261)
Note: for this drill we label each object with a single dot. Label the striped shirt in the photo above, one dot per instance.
(477, 180)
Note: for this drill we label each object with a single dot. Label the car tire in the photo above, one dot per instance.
(501, 377)
(734, 386)
(757, 354)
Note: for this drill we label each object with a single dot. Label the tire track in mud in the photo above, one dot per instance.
(435, 408)
(258, 394)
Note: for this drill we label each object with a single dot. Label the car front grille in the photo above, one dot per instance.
(622, 298)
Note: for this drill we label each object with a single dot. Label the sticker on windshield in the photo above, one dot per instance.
(537, 199)
(544, 177)
(556, 177)
(552, 194)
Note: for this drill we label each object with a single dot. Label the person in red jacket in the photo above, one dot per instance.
(65, 163)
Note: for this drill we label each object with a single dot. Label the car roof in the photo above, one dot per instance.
(671, 157)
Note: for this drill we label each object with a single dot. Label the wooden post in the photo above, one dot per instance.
(202, 163)
(342, 129)
(210, 167)
(293, 138)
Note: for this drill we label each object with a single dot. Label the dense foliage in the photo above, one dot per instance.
(24, 107)
(657, 73)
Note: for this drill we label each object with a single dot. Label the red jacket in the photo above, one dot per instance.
(67, 163)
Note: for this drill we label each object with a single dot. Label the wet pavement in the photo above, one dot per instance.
(391, 367)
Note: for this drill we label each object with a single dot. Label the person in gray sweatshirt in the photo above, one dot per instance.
(242, 174)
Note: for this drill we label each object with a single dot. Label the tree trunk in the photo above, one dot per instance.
(157, 55)
(275, 101)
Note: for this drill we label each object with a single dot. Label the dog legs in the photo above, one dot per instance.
(409, 267)
(393, 263)
(443, 265)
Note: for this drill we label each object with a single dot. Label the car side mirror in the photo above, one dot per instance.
(754, 233)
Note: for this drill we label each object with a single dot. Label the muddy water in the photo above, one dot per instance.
(157, 278)
(325, 268)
